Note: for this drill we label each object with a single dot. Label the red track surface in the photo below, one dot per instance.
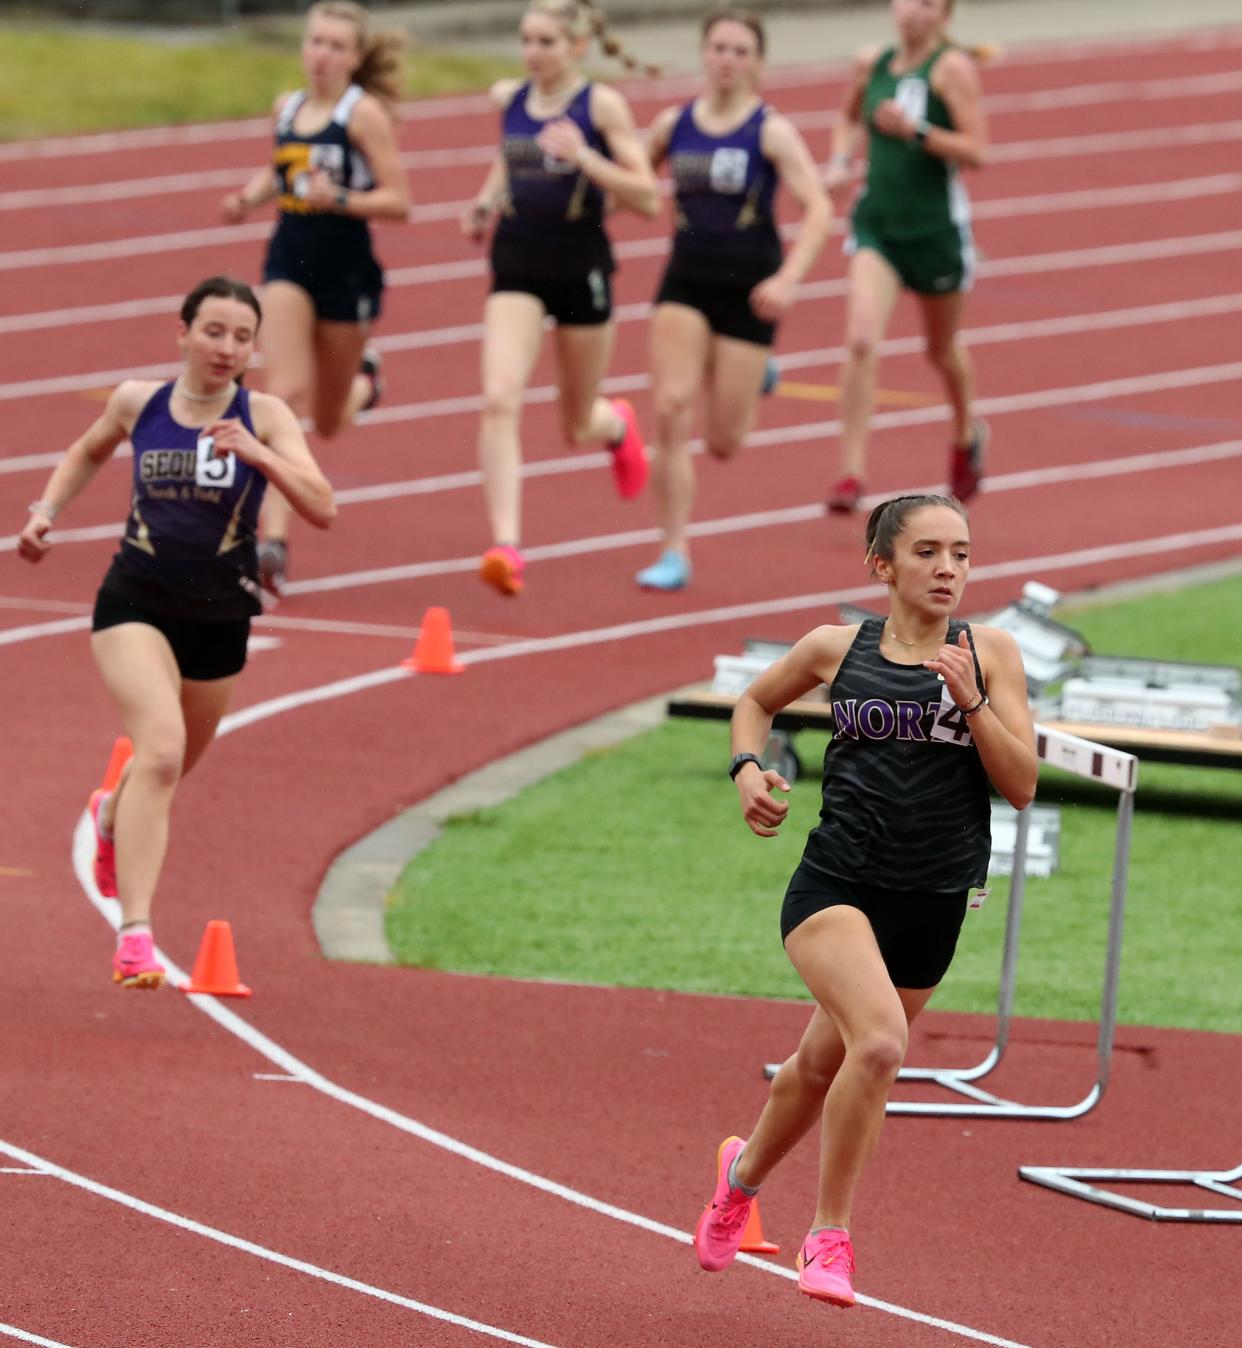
(145, 1095)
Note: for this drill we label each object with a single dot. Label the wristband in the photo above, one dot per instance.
(43, 508)
(740, 761)
(921, 128)
(978, 706)
(342, 198)
(842, 160)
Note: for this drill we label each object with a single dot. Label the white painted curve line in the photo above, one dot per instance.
(83, 852)
(249, 1247)
(12, 1332)
(84, 842)
(1048, 203)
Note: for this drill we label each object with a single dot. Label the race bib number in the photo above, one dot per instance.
(950, 725)
(911, 98)
(729, 167)
(212, 471)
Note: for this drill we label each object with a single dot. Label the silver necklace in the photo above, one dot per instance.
(180, 388)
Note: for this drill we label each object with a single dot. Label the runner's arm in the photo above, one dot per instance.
(81, 461)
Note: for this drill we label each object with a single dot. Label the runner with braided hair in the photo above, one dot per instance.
(568, 149)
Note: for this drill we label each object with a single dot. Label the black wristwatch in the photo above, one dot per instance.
(740, 761)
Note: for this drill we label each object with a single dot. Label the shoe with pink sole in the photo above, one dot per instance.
(719, 1231)
(826, 1267)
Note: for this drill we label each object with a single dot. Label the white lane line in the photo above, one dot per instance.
(1074, 259)
(12, 1332)
(1030, 151)
(1213, 40)
(43, 605)
(132, 189)
(1048, 203)
(42, 198)
(576, 463)
(1128, 466)
(13, 636)
(767, 519)
(244, 1246)
(83, 852)
(451, 106)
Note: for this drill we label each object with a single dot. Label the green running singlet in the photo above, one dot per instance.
(910, 193)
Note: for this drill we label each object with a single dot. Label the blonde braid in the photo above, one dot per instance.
(584, 19)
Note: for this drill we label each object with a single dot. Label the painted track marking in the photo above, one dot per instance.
(291, 1065)
(1020, 480)
(12, 1332)
(239, 1243)
(987, 208)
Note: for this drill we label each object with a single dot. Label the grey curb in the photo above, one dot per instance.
(348, 912)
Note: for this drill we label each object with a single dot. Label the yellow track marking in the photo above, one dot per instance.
(829, 393)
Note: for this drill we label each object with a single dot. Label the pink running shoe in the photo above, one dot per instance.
(134, 965)
(629, 458)
(844, 497)
(826, 1267)
(503, 569)
(719, 1231)
(105, 850)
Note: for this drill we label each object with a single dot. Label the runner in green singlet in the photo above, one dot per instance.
(920, 103)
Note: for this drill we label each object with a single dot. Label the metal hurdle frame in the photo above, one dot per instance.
(1070, 1180)
(1096, 763)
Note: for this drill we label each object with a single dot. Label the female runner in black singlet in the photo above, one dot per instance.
(927, 711)
(172, 616)
(335, 168)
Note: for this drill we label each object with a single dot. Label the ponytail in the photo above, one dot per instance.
(981, 53)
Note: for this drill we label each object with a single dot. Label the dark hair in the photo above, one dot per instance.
(221, 288)
(747, 18)
(887, 521)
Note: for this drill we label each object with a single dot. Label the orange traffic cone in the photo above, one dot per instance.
(753, 1239)
(122, 751)
(433, 652)
(215, 969)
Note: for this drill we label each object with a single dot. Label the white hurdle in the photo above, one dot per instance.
(1097, 763)
(1071, 1180)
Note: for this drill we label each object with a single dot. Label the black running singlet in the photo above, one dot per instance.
(906, 803)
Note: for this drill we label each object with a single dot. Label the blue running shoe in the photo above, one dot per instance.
(771, 378)
(671, 572)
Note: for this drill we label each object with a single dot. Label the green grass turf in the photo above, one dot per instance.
(58, 81)
(633, 867)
